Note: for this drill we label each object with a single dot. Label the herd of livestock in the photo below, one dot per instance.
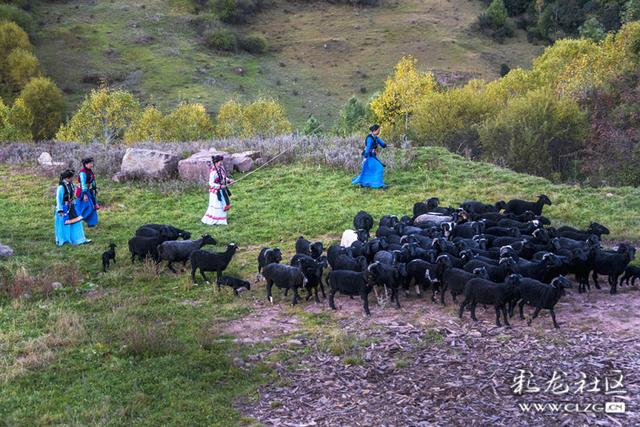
(503, 255)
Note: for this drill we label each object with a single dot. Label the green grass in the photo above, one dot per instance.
(77, 38)
(147, 348)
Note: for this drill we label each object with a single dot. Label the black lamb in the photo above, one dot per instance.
(109, 254)
(517, 206)
(211, 261)
(613, 264)
(234, 283)
(632, 273)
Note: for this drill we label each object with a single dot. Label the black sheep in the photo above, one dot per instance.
(334, 251)
(573, 233)
(312, 270)
(541, 295)
(233, 282)
(486, 292)
(211, 261)
(517, 206)
(363, 221)
(388, 275)
(350, 283)
(345, 262)
(455, 279)
(169, 231)
(109, 254)
(268, 256)
(388, 221)
(142, 247)
(613, 264)
(180, 250)
(497, 274)
(284, 277)
(632, 273)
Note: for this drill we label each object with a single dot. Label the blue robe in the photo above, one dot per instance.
(87, 209)
(66, 233)
(372, 174)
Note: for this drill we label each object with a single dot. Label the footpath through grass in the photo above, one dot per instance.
(130, 346)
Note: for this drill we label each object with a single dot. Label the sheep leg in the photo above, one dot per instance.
(397, 292)
(534, 315)
(553, 317)
(433, 292)
(322, 288)
(133, 258)
(498, 316)
(204, 277)
(595, 279)
(504, 315)
(294, 300)
(521, 309)
(193, 274)
(315, 294)
(114, 259)
(269, 285)
(173, 270)
(286, 292)
(332, 294)
(365, 300)
(462, 305)
(473, 311)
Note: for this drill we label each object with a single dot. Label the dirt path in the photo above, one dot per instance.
(423, 366)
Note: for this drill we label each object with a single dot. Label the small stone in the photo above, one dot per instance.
(5, 251)
(56, 285)
(238, 362)
(295, 342)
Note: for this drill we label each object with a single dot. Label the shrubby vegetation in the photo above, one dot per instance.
(262, 117)
(546, 121)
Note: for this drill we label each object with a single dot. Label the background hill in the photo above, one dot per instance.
(319, 53)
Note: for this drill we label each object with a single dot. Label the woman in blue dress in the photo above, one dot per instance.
(86, 194)
(67, 223)
(372, 174)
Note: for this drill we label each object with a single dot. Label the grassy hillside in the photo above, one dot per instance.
(134, 347)
(320, 53)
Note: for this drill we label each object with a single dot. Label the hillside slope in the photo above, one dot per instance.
(320, 53)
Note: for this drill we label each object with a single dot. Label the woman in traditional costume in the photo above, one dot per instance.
(86, 194)
(67, 223)
(219, 193)
(372, 174)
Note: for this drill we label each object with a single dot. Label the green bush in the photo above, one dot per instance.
(46, 103)
(236, 11)
(592, 29)
(497, 13)
(224, 40)
(539, 133)
(255, 43)
(10, 13)
(22, 66)
(312, 126)
(352, 117)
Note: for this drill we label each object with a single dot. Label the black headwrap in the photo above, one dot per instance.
(68, 173)
(87, 160)
(374, 128)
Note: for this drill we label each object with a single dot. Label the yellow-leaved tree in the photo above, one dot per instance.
(15, 122)
(148, 128)
(402, 92)
(188, 122)
(103, 116)
(46, 102)
(263, 117)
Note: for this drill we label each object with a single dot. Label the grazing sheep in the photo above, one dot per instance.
(109, 254)
(613, 264)
(211, 261)
(517, 206)
(362, 221)
(170, 232)
(455, 279)
(268, 256)
(351, 236)
(234, 283)
(541, 295)
(632, 273)
(143, 247)
(312, 270)
(388, 275)
(350, 283)
(334, 251)
(482, 291)
(284, 277)
(180, 250)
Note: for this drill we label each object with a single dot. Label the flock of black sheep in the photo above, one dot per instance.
(502, 255)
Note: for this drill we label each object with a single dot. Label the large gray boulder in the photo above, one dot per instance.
(147, 164)
(196, 168)
(244, 161)
(5, 251)
(45, 159)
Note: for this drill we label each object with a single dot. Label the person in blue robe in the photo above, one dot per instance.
(86, 202)
(67, 225)
(372, 174)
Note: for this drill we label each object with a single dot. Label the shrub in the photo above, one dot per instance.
(11, 37)
(539, 134)
(11, 13)
(236, 11)
(516, 7)
(230, 120)
(266, 118)
(401, 93)
(630, 11)
(255, 43)
(46, 103)
(103, 116)
(312, 126)
(22, 66)
(592, 29)
(148, 127)
(188, 122)
(224, 40)
(353, 117)
(16, 122)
